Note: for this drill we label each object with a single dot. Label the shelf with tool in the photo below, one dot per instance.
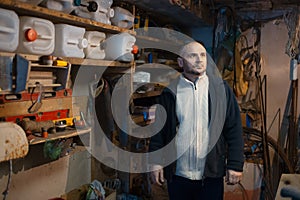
(40, 100)
(59, 135)
(35, 71)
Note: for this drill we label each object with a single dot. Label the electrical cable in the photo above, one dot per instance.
(5, 193)
(278, 150)
(256, 136)
(268, 190)
(245, 196)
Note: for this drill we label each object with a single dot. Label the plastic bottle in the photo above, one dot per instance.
(69, 41)
(9, 30)
(122, 18)
(36, 36)
(94, 49)
(119, 47)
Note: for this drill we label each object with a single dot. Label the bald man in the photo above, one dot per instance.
(204, 118)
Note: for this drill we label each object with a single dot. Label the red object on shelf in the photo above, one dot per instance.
(31, 35)
(135, 49)
(40, 116)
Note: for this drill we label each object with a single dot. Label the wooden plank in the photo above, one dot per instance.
(94, 62)
(74, 61)
(22, 8)
(46, 85)
(36, 65)
(60, 135)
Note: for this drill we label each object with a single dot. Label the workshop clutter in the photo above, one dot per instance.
(106, 189)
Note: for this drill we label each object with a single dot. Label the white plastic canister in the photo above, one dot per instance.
(36, 36)
(94, 49)
(59, 5)
(122, 18)
(9, 30)
(69, 41)
(98, 10)
(119, 47)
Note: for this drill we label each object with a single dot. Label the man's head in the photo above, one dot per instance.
(193, 60)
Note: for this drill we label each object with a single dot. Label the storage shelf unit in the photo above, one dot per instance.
(59, 17)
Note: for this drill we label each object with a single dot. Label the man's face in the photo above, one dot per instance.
(194, 60)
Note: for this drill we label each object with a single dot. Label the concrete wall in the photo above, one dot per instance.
(276, 65)
(35, 177)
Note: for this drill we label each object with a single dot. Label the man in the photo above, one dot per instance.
(203, 117)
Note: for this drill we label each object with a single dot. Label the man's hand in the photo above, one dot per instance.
(233, 177)
(157, 174)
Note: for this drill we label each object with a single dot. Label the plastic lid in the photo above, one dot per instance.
(83, 43)
(135, 49)
(111, 13)
(93, 6)
(30, 35)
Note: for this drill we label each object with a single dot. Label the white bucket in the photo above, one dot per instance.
(122, 18)
(119, 47)
(9, 30)
(69, 41)
(101, 12)
(94, 49)
(36, 36)
(65, 6)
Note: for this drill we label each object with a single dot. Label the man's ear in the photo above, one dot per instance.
(180, 61)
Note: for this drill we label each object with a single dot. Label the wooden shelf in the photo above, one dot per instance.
(60, 135)
(47, 66)
(45, 85)
(22, 8)
(94, 62)
(73, 61)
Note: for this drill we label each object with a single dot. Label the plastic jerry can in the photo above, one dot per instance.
(69, 41)
(94, 50)
(65, 6)
(36, 36)
(119, 47)
(98, 10)
(122, 18)
(9, 30)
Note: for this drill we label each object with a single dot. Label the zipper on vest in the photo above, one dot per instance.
(203, 178)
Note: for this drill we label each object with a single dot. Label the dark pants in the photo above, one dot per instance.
(182, 188)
